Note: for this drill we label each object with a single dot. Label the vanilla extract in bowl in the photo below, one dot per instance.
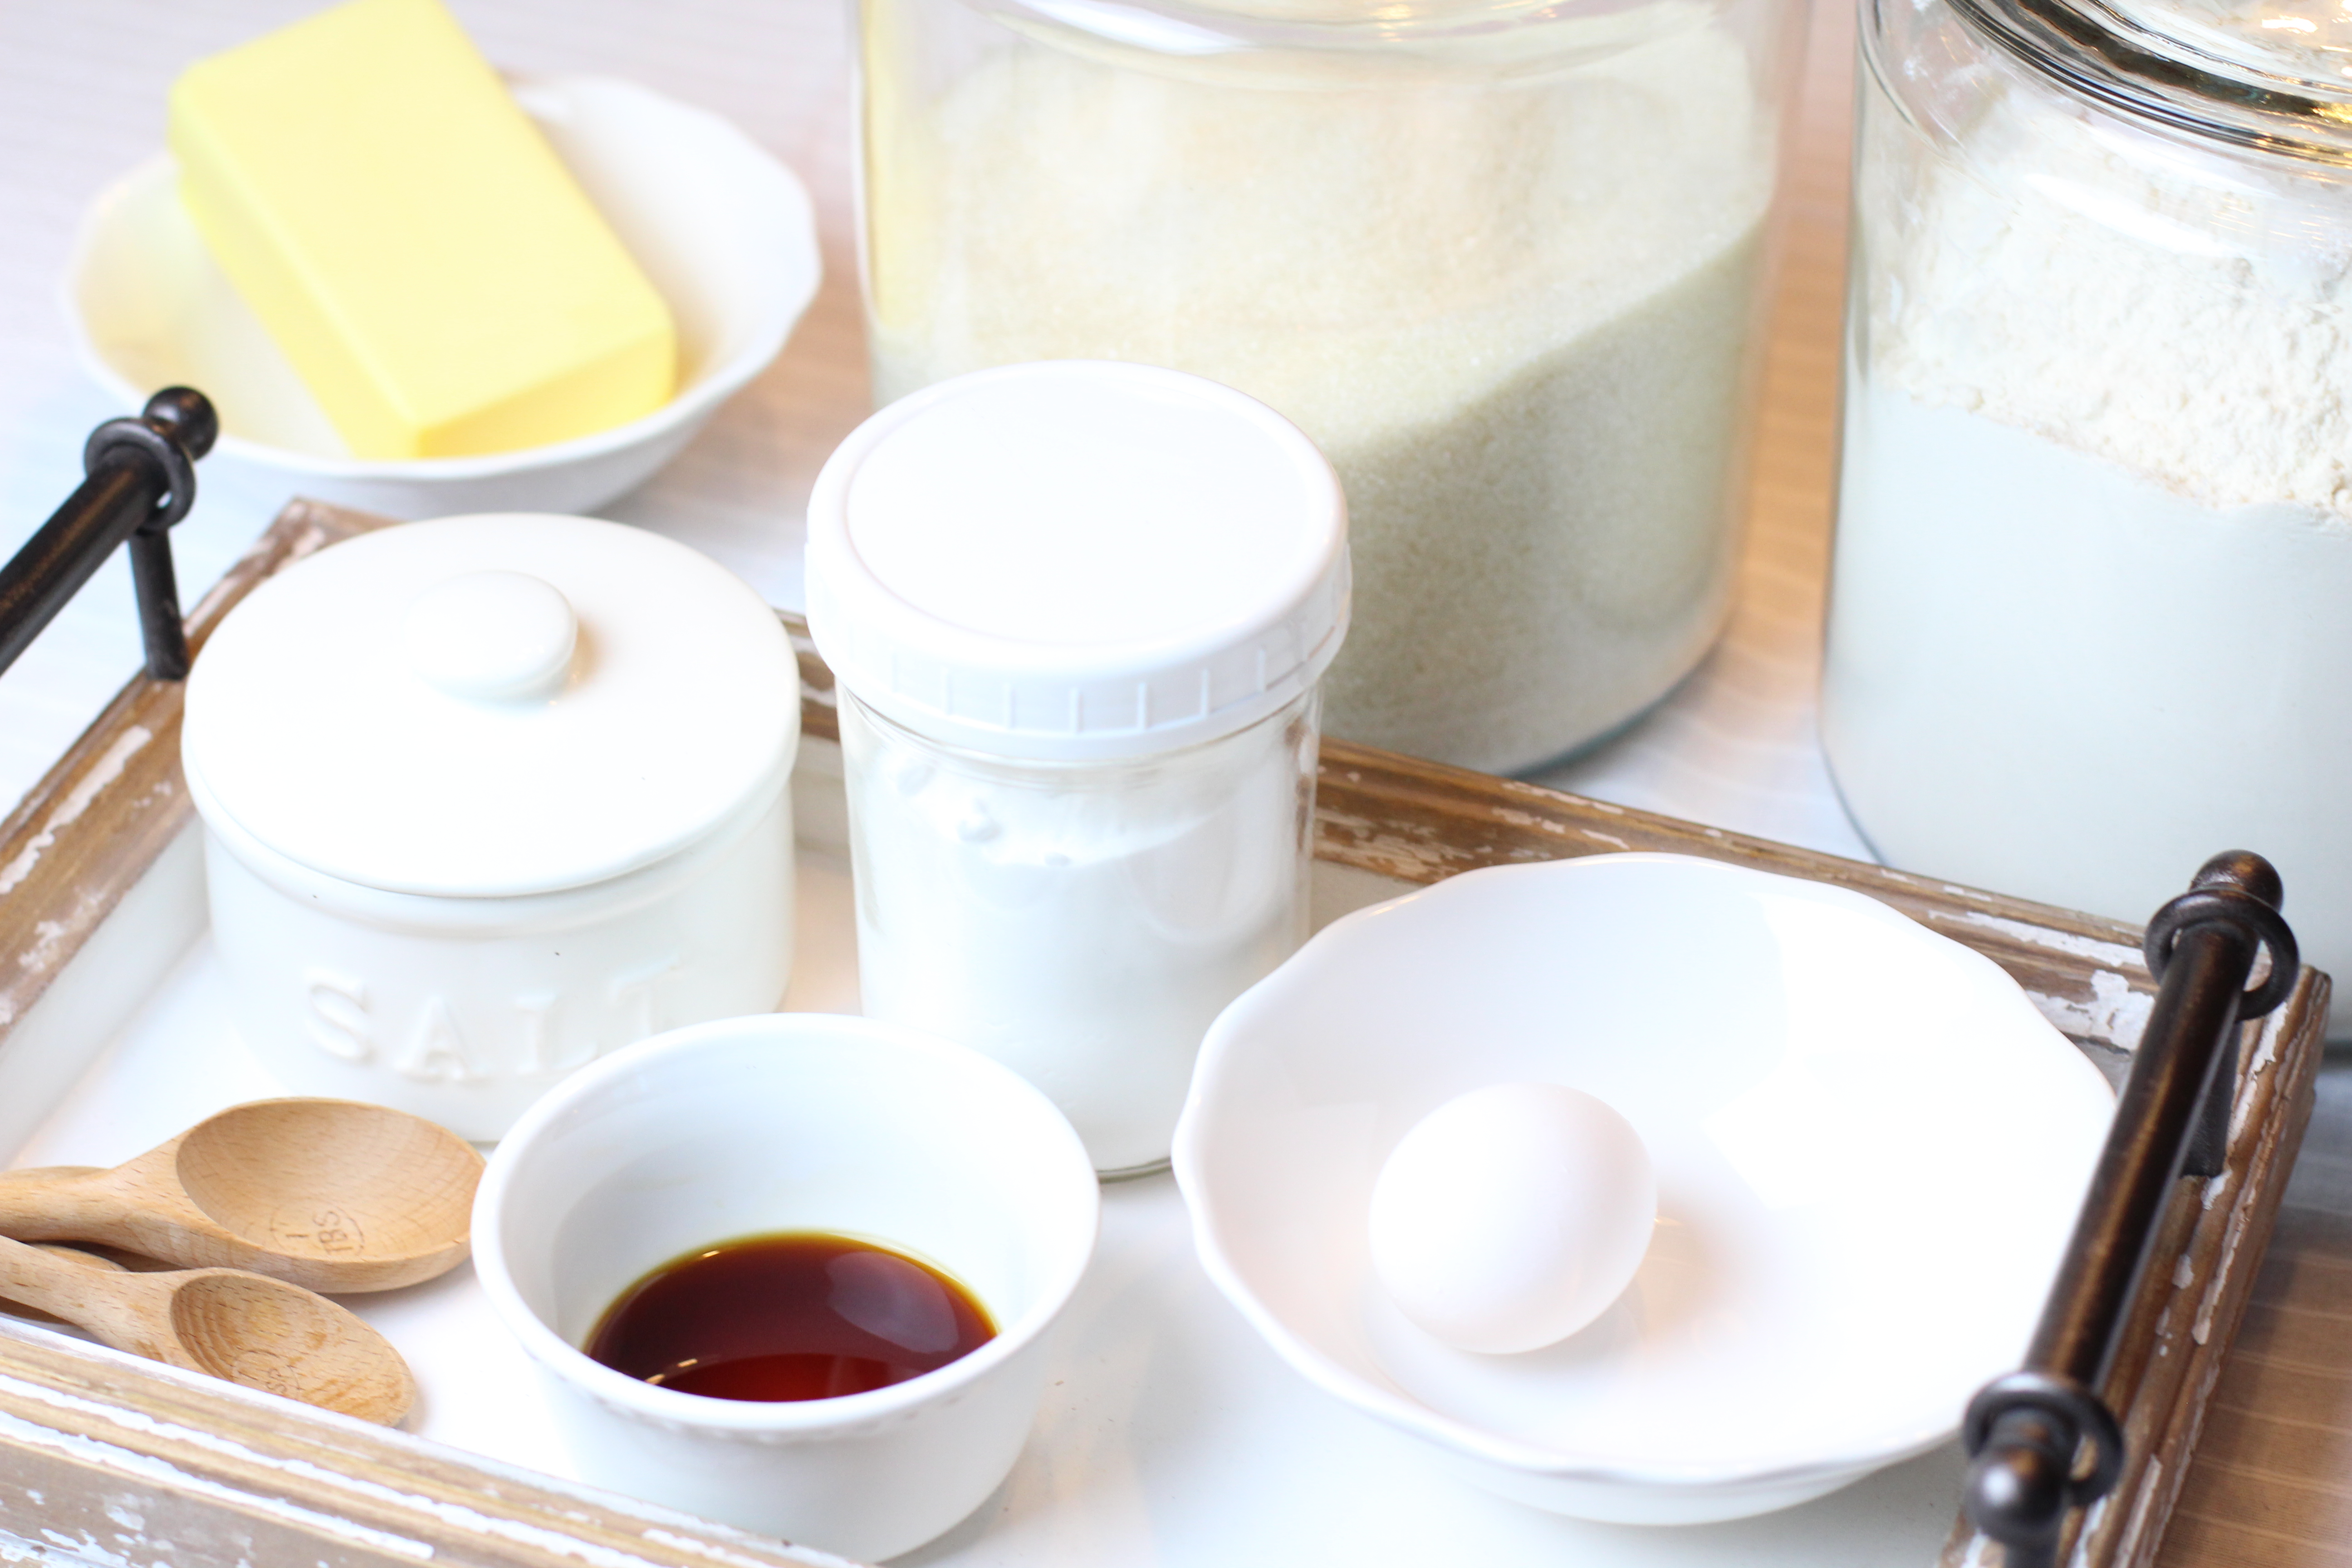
(790, 1316)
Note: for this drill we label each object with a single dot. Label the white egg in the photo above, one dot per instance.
(1512, 1216)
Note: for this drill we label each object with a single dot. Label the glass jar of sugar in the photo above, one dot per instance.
(1077, 613)
(1501, 262)
(2095, 523)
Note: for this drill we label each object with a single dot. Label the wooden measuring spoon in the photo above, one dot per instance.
(332, 1195)
(261, 1332)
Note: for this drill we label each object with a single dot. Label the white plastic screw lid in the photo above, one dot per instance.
(491, 706)
(1076, 559)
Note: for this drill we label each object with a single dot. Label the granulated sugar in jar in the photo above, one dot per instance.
(1501, 264)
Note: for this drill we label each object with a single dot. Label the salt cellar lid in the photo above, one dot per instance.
(493, 706)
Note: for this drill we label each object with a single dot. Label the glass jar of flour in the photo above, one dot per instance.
(1500, 261)
(1077, 613)
(2094, 558)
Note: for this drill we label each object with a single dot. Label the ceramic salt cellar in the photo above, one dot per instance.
(486, 798)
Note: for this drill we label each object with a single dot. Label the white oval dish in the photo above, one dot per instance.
(1870, 1150)
(793, 1122)
(725, 233)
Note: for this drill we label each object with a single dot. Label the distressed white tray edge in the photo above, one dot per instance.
(157, 921)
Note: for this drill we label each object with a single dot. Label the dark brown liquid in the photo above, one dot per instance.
(804, 1315)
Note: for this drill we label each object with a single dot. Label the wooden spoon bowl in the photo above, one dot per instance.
(246, 1328)
(281, 1338)
(331, 1182)
(332, 1195)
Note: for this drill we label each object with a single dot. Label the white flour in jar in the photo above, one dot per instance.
(2094, 540)
(1516, 319)
(1085, 933)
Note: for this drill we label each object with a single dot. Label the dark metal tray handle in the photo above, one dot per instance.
(2041, 1441)
(140, 479)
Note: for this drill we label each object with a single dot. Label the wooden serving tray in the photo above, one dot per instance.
(93, 1446)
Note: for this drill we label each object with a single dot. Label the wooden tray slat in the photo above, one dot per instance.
(97, 1451)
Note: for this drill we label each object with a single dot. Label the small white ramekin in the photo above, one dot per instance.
(792, 1122)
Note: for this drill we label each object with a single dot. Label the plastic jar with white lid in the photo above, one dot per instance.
(488, 796)
(1077, 612)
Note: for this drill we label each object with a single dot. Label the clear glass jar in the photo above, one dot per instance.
(1083, 923)
(1504, 263)
(2095, 520)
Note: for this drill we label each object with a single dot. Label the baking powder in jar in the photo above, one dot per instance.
(486, 798)
(1079, 611)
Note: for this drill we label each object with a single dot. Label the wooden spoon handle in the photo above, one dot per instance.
(34, 1276)
(58, 1202)
(127, 1310)
(76, 1256)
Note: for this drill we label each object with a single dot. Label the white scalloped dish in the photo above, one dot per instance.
(1870, 1151)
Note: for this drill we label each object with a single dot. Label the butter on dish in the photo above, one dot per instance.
(411, 242)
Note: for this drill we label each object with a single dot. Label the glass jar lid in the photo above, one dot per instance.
(2270, 74)
(492, 706)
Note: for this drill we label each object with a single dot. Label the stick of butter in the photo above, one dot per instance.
(406, 235)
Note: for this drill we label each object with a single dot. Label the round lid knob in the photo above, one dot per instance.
(491, 637)
(486, 707)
